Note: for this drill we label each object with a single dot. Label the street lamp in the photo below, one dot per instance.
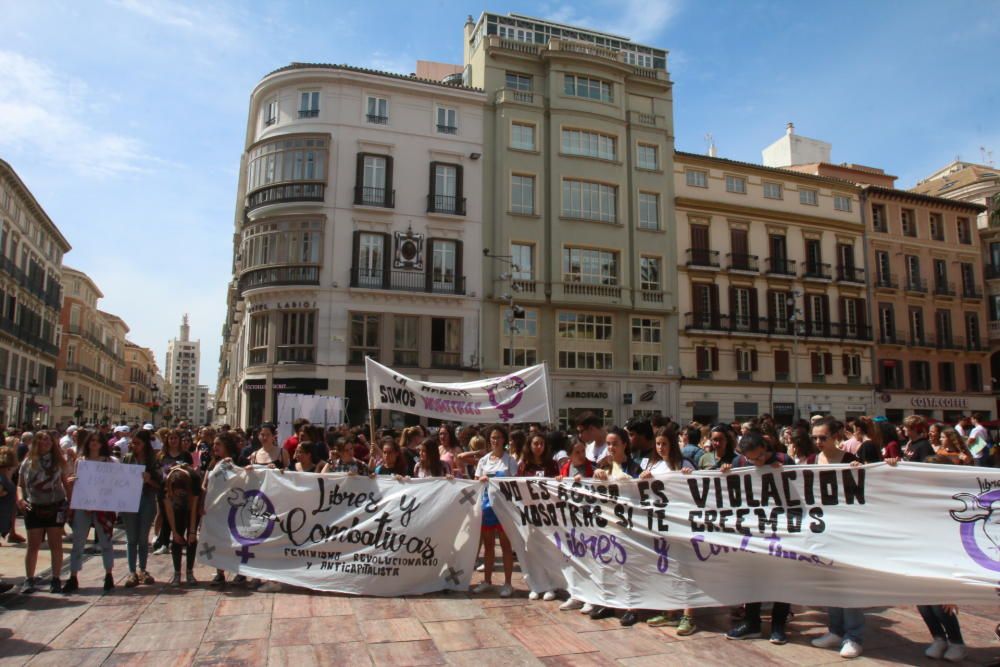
(514, 311)
(793, 305)
(167, 413)
(78, 413)
(154, 404)
(124, 418)
(104, 414)
(29, 408)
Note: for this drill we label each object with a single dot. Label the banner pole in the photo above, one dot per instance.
(371, 427)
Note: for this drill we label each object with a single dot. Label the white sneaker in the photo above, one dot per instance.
(850, 649)
(270, 587)
(506, 591)
(162, 551)
(955, 653)
(533, 595)
(571, 604)
(549, 596)
(481, 567)
(936, 650)
(829, 640)
(483, 588)
(586, 608)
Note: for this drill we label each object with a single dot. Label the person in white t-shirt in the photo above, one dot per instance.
(590, 430)
(498, 463)
(975, 435)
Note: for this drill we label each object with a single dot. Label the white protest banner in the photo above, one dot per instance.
(350, 534)
(107, 487)
(319, 410)
(522, 396)
(819, 535)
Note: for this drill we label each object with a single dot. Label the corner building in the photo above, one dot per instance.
(772, 290)
(577, 208)
(357, 234)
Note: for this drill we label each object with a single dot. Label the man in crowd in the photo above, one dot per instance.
(640, 432)
(590, 429)
(918, 448)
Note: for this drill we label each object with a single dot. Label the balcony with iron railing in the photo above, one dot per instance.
(276, 276)
(816, 271)
(890, 338)
(777, 266)
(369, 196)
(406, 281)
(975, 344)
(308, 113)
(944, 288)
(743, 262)
(28, 336)
(448, 204)
(376, 119)
(282, 193)
(992, 271)
(447, 129)
(921, 340)
(850, 274)
(93, 375)
(945, 341)
(994, 327)
(971, 291)
(703, 258)
(916, 285)
(885, 281)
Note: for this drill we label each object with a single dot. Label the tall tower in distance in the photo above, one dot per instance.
(181, 370)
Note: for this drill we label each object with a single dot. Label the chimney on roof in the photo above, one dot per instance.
(790, 128)
(468, 20)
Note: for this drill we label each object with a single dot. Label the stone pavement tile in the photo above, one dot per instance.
(405, 654)
(177, 609)
(351, 654)
(628, 642)
(233, 628)
(318, 630)
(300, 605)
(446, 609)
(83, 657)
(235, 653)
(393, 630)
(523, 615)
(545, 640)
(578, 622)
(487, 602)
(370, 609)
(122, 612)
(237, 606)
(177, 658)
(507, 656)
(136, 597)
(92, 635)
(580, 660)
(799, 651)
(721, 653)
(469, 635)
(164, 636)
(35, 626)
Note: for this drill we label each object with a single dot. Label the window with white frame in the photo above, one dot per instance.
(257, 352)
(522, 194)
(696, 178)
(590, 266)
(647, 157)
(585, 341)
(852, 365)
(364, 337)
(646, 344)
(519, 338)
(377, 110)
(808, 197)
(522, 136)
(585, 326)
(589, 201)
(444, 258)
(517, 81)
(297, 340)
(842, 203)
(518, 34)
(522, 260)
(736, 184)
(447, 120)
(589, 144)
(405, 350)
(271, 112)
(649, 273)
(649, 210)
(772, 190)
(744, 360)
(309, 104)
(594, 89)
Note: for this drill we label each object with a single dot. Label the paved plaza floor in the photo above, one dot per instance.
(199, 625)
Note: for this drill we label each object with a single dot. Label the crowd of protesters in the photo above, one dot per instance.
(38, 471)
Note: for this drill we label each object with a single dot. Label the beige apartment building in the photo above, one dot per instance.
(578, 227)
(31, 254)
(926, 296)
(771, 287)
(140, 374)
(91, 355)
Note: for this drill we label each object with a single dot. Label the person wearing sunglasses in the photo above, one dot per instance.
(755, 453)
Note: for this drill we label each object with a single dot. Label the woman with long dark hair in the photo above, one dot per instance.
(498, 463)
(393, 460)
(536, 460)
(225, 449)
(138, 524)
(91, 448)
(172, 454)
(449, 449)
(429, 463)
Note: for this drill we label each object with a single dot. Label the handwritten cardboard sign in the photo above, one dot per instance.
(107, 487)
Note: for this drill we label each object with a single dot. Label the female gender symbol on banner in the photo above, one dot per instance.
(511, 389)
(985, 508)
(251, 520)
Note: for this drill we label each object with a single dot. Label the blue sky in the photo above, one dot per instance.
(126, 118)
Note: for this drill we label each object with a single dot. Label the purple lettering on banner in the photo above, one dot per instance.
(704, 551)
(662, 548)
(605, 549)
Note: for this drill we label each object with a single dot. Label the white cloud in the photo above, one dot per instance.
(638, 20)
(184, 18)
(54, 116)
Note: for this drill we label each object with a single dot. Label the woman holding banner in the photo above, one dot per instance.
(91, 448)
(41, 496)
(393, 462)
(225, 448)
(138, 524)
(429, 462)
(449, 449)
(537, 462)
(498, 463)
(269, 454)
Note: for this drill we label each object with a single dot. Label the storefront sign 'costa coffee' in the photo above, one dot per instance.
(945, 402)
